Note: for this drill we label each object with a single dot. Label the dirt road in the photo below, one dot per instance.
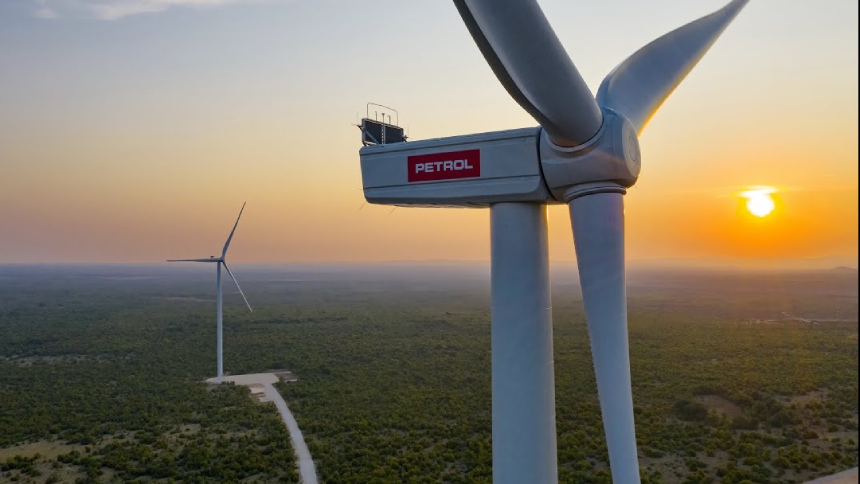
(262, 383)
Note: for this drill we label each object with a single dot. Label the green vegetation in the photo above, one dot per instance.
(100, 373)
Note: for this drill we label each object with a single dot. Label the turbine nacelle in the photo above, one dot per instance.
(501, 166)
(521, 165)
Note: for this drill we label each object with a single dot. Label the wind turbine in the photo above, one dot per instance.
(585, 154)
(221, 261)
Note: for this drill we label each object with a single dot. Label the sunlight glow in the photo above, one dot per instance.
(759, 200)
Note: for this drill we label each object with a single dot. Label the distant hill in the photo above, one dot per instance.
(844, 270)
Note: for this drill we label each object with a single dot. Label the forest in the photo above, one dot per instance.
(737, 377)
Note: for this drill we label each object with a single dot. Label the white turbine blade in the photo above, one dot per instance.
(208, 259)
(227, 244)
(522, 49)
(640, 84)
(237, 286)
(598, 234)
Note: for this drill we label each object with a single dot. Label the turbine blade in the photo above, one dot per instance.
(237, 286)
(227, 244)
(598, 234)
(208, 259)
(528, 59)
(638, 86)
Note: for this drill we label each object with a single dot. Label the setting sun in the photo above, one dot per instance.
(759, 200)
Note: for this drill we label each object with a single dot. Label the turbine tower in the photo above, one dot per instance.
(221, 261)
(584, 154)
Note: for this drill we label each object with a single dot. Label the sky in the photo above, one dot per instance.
(133, 130)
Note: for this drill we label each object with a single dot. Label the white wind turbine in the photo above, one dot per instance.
(585, 154)
(221, 261)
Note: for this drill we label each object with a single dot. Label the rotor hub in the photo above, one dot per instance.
(609, 161)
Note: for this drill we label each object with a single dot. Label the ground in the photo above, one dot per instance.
(395, 383)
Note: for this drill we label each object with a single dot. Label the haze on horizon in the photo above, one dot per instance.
(133, 130)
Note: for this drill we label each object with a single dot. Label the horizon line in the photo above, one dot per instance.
(826, 262)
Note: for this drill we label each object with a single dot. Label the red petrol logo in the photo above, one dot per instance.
(444, 166)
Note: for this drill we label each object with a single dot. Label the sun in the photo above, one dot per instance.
(759, 200)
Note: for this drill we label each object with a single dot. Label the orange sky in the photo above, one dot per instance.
(138, 139)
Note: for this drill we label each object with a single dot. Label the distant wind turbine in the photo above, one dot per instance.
(220, 317)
